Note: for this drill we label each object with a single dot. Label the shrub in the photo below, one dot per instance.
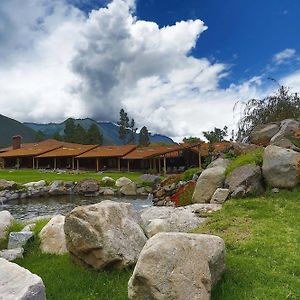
(230, 155)
(184, 195)
(189, 173)
(254, 157)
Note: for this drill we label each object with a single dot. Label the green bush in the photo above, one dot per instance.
(189, 173)
(254, 157)
(230, 155)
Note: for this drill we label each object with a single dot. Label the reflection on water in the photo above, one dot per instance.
(30, 208)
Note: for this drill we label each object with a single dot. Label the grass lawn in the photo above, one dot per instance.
(24, 176)
(262, 237)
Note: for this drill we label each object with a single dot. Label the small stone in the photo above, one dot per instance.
(12, 254)
(19, 239)
(220, 196)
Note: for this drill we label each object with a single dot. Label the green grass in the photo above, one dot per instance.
(189, 173)
(254, 157)
(262, 237)
(24, 176)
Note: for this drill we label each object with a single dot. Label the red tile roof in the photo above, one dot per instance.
(108, 151)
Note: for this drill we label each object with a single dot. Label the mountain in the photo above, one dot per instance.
(10, 127)
(109, 130)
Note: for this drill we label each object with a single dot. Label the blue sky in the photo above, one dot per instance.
(244, 34)
(178, 67)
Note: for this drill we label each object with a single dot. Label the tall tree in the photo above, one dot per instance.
(144, 139)
(40, 136)
(57, 136)
(132, 133)
(94, 136)
(123, 125)
(216, 135)
(80, 135)
(69, 132)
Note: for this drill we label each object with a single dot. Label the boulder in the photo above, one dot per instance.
(52, 236)
(17, 283)
(288, 129)
(122, 181)
(87, 186)
(19, 239)
(210, 179)
(129, 189)
(240, 148)
(107, 191)
(108, 181)
(12, 254)
(7, 185)
(281, 167)
(174, 265)
(35, 184)
(262, 134)
(170, 219)
(150, 178)
(220, 196)
(57, 187)
(6, 219)
(104, 235)
(249, 177)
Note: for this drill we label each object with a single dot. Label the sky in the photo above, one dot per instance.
(178, 67)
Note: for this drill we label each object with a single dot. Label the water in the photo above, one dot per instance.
(45, 206)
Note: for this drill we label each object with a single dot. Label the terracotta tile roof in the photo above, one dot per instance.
(68, 150)
(108, 151)
(217, 148)
(148, 152)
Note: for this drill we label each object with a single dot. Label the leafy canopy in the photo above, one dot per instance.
(216, 135)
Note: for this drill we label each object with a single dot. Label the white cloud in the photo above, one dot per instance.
(62, 63)
(284, 55)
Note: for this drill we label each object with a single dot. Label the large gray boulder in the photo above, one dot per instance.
(6, 219)
(249, 177)
(210, 179)
(104, 235)
(122, 181)
(17, 283)
(175, 219)
(129, 189)
(87, 187)
(59, 187)
(281, 167)
(262, 134)
(178, 266)
(52, 236)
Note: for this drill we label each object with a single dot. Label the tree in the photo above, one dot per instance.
(192, 140)
(132, 132)
(123, 125)
(80, 135)
(40, 136)
(93, 135)
(57, 136)
(144, 139)
(217, 135)
(277, 107)
(69, 131)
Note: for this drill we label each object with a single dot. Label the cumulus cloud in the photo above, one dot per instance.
(284, 56)
(61, 62)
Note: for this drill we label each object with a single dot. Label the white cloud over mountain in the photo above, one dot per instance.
(57, 62)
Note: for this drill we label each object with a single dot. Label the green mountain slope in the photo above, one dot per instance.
(10, 127)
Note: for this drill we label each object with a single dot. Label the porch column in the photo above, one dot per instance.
(128, 165)
(32, 162)
(119, 164)
(77, 163)
(150, 161)
(97, 163)
(37, 163)
(73, 163)
(55, 163)
(154, 165)
(165, 165)
(159, 165)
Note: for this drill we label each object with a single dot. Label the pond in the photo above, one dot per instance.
(47, 206)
